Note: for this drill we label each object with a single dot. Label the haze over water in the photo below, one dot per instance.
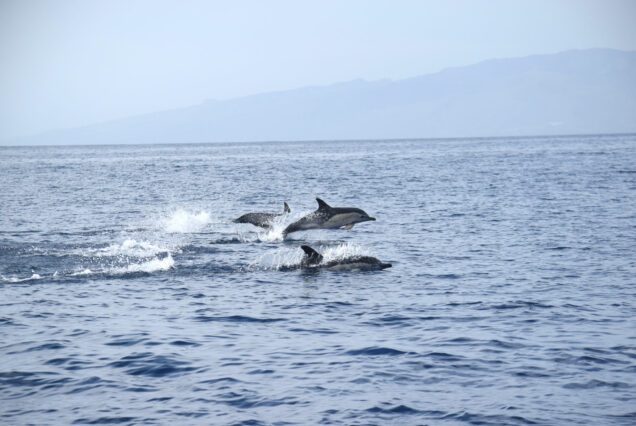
(128, 296)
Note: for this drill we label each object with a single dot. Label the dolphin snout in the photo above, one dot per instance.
(370, 218)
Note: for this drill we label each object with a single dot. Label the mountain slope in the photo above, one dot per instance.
(586, 91)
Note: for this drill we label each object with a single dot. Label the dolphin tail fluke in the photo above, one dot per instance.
(322, 205)
(286, 209)
(312, 256)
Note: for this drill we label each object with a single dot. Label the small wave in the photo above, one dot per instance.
(596, 384)
(46, 346)
(375, 350)
(498, 419)
(516, 304)
(125, 342)
(104, 420)
(390, 320)
(220, 380)
(236, 318)
(148, 364)
(34, 276)
(443, 356)
(32, 379)
(401, 409)
(588, 360)
(184, 343)
(182, 221)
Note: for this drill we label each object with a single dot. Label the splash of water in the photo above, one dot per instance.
(290, 257)
(277, 259)
(278, 225)
(344, 250)
(182, 221)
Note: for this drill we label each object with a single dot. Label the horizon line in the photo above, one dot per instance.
(311, 141)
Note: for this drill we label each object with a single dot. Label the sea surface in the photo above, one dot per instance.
(128, 296)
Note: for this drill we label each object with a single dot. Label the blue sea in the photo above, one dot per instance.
(128, 296)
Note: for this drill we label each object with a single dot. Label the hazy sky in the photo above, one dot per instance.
(70, 63)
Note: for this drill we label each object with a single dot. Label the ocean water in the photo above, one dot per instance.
(128, 296)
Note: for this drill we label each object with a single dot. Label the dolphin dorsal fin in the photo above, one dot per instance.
(322, 205)
(311, 255)
(286, 209)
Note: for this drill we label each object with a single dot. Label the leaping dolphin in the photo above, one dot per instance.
(327, 217)
(262, 219)
(314, 260)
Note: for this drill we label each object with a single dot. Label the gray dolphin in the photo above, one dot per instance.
(329, 217)
(262, 219)
(314, 260)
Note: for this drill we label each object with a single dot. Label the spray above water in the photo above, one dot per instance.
(182, 221)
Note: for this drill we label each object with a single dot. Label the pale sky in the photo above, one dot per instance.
(72, 63)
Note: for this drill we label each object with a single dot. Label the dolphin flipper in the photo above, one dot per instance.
(286, 209)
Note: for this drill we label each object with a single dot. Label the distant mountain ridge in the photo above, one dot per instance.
(573, 92)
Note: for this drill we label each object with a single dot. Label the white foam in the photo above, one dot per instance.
(20, 280)
(86, 271)
(153, 265)
(182, 221)
(130, 247)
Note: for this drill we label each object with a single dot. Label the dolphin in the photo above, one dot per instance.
(328, 217)
(262, 219)
(314, 260)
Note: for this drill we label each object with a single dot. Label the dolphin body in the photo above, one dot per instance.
(327, 217)
(314, 260)
(262, 219)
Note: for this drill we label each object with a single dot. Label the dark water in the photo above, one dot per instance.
(128, 296)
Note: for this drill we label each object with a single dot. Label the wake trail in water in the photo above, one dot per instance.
(146, 249)
(20, 280)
